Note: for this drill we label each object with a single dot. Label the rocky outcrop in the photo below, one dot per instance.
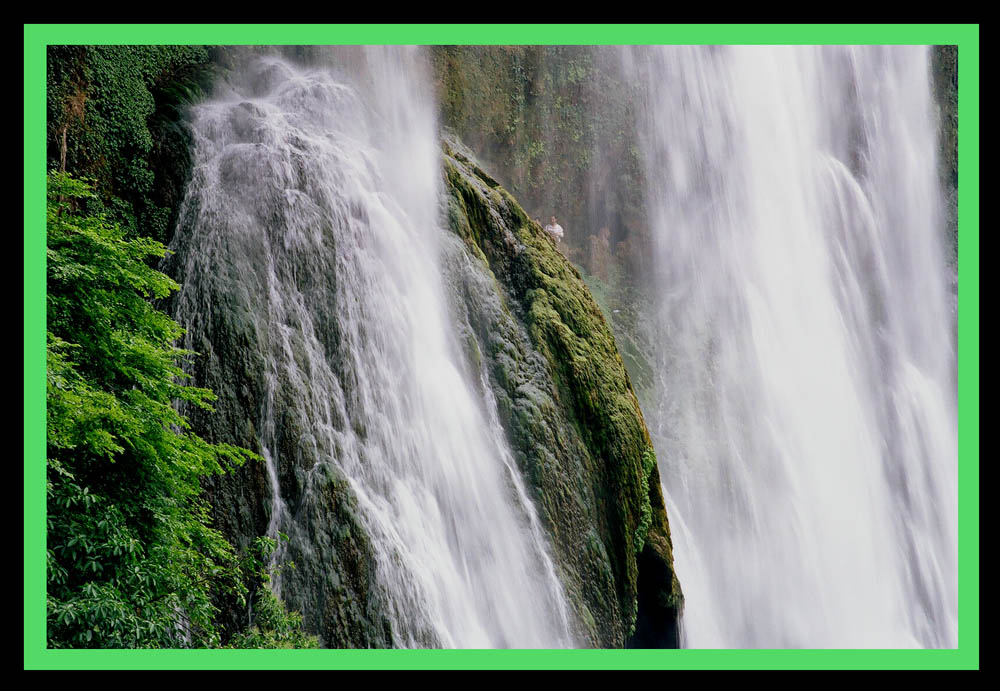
(535, 340)
(565, 399)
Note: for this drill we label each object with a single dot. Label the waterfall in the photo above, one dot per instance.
(313, 224)
(806, 419)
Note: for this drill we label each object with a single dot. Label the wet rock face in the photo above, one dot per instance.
(331, 581)
(565, 400)
(537, 344)
(335, 583)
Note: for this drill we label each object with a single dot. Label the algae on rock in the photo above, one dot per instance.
(566, 402)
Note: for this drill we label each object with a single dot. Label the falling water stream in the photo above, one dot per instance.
(315, 199)
(806, 426)
(806, 402)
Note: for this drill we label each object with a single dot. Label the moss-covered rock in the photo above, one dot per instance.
(565, 399)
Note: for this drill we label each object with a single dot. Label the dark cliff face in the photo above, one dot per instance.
(569, 410)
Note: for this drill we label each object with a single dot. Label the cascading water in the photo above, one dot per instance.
(806, 429)
(314, 211)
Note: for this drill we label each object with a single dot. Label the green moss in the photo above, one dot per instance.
(333, 582)
(646, 518)
(591, 402)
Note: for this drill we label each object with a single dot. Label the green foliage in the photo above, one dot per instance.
(273, 626)
(114, 114)
(132, 559)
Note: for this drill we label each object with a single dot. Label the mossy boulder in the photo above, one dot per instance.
(565, 399)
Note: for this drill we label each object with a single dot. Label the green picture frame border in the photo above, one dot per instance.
(38, 36)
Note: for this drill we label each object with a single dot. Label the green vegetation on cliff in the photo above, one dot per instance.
(575, 422)
(132, 559)
(114, 115)
(626, 309)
